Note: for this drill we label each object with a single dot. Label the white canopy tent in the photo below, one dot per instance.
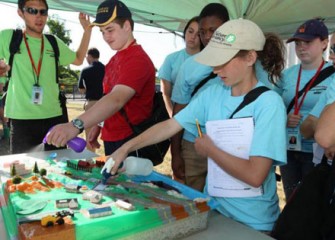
(280, 16)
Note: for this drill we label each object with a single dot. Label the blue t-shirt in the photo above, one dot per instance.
(169, 70)
(191, 73)
(288, 88)
(269, 140)
(330, 93)
(326, 98)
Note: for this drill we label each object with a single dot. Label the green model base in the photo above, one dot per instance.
(153, 207)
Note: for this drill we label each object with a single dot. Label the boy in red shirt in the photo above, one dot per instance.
(129, 83)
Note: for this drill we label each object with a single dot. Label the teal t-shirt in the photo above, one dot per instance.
(287, 89)
(269, 140)
(19, 104)
(326, 98)
(169, 70)
(191, 73)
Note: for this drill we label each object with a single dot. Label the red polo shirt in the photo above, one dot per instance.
(131, 67)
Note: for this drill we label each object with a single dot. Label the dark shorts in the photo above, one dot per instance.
(111, 147)
(27, 135)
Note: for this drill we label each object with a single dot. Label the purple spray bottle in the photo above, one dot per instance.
(77, 144)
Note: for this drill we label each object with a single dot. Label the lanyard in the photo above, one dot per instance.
(38, 70)
(297, 105)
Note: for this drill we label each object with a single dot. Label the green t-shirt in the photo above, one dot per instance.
(19, 104)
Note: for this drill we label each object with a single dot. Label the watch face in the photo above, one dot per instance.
(78, 123)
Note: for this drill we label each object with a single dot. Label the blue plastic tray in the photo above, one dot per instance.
(185, 190)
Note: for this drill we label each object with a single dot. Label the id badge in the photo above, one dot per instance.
(294, 139)
(37, 95)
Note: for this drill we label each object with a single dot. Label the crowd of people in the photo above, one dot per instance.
(223, 61)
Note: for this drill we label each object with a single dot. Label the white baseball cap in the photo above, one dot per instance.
(229, 39)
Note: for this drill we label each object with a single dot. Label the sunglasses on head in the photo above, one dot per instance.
(34, 11)
(332, 49)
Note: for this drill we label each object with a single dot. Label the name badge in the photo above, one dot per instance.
(37, 95)
(294, 139)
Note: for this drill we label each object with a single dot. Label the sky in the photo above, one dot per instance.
(158, 43)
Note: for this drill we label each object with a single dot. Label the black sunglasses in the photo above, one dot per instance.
(332, 49)
(34, 11)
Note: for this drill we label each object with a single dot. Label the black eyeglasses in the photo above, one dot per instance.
(332, 49)
(34, 11)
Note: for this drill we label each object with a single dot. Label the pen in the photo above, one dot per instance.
(199, 129)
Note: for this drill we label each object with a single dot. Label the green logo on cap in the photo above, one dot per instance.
(230, 38)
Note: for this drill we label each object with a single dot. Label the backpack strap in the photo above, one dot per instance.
(325, 73)
(203, 82)
(14, 48)
(249, 98)
(124, 114)
(53, 42)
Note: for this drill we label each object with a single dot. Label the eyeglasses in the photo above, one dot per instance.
(34, 11)
(332, 49)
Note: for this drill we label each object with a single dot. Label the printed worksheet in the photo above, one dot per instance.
(233, 136)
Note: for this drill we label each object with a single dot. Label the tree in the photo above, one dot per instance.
(35, 170)
(13, 171)
(43, 172)
(67, 76)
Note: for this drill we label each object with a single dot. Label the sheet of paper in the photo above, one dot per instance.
(233, 136)
(318, 153)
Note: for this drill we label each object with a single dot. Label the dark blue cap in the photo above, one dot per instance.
(310, 30)
(109, 10)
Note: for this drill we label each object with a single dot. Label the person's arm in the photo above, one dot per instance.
(85, 40)
(307, 127)
(104, 108)
(4, 68)
(166, 89)
(81, 86)
(252, 172)
(325, 128)
(82, 90)
(177, 162)
(155, 134)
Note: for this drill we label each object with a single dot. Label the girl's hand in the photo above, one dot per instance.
(203, 145)
(293, 120)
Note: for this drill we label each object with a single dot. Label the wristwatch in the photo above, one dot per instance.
(79, 124)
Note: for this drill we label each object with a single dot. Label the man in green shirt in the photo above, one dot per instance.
(32, 102)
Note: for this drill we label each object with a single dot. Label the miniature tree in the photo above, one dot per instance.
(17, 179)
(35, 170)
(43, 172)
(13, 171)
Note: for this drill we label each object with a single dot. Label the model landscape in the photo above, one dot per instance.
(152, 207)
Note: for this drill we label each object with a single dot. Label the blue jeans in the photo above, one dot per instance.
(299, 164)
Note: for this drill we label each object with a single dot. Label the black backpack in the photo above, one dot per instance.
(14, 47)
(309, 214)
(155, 152)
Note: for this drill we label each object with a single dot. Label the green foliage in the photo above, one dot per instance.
(43, 172)
(35, 169)
(13, 171)
(57, 28)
